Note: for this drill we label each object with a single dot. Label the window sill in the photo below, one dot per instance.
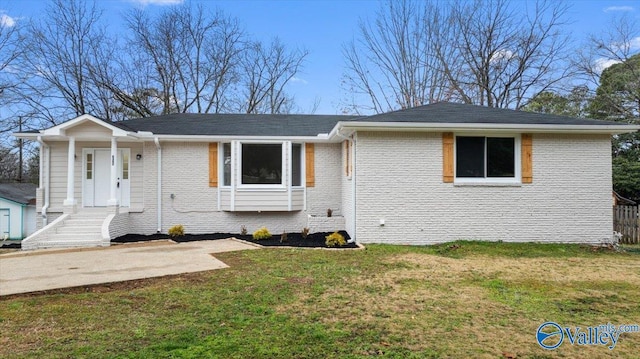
(261, 189)
(487, 184)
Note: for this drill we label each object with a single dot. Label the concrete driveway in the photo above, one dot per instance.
(23, 272)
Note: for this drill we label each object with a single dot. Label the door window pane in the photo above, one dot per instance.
(89, 166)
(125, 166)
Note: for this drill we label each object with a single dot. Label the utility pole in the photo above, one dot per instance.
(20, 150)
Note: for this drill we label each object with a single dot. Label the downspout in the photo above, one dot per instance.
(159, 194)
(44, 177)
(353, 178)
(353, 184)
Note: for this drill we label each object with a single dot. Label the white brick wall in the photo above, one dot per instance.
(327, 192)
(568, 201)
(325, 224)
(119, 225)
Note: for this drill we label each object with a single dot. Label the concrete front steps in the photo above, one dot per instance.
(81, 229)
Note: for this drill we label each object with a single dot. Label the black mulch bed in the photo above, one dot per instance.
(313, 240)
(10, 245)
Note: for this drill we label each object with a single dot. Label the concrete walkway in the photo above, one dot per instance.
(32, 271)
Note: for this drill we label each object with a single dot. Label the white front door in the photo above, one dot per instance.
(97, 180)
(101, 177)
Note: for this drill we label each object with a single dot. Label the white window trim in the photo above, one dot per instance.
(490, 181)
(236, 166)
(283, 172)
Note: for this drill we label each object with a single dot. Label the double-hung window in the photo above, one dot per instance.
(483, 159)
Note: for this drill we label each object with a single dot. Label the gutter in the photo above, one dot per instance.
(322, 137)
(482, 127)
(159, 194)
(44, 177)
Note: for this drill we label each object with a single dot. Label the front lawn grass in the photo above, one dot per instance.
(462, 299)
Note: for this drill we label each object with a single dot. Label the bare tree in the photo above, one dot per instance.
(266, 70)
(610, 65)
(393, 63)
(480, 52)
(506, 56)
(190, 59)
(12, 152)
(10, 39)
(62, 48)
(8, 165)
(9, 51)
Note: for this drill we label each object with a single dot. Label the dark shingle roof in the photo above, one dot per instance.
(286, 125)
(447, 112)
(235, 124)
(18, 192)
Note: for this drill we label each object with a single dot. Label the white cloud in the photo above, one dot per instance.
(618, 8)
(602, 63)
(157, 2)
(300, 80)
(7, 21)
(502, 55)
(634, 44)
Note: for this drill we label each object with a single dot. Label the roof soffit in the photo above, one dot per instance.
(61, 129)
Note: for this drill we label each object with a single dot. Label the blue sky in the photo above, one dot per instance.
(320, 26)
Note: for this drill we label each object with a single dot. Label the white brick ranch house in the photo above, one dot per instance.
(429, 174)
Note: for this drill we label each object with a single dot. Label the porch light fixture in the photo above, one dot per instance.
(138, 157)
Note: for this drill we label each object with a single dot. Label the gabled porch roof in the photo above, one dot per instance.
(86, 127)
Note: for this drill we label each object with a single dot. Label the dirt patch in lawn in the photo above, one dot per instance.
(313, 240)
(478, 299)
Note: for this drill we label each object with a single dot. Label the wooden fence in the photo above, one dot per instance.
(627, 223)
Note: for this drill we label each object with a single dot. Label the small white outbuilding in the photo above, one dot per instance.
(17, 210)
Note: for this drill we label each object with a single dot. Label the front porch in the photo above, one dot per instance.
(89, 169)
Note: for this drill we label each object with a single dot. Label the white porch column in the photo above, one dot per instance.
(113, 200)
(70, 202)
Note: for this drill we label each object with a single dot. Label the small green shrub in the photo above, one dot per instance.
(262, 233)
(305, 232)
(335, 239)
(176, 231)
(243, 230)
(283, 237)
